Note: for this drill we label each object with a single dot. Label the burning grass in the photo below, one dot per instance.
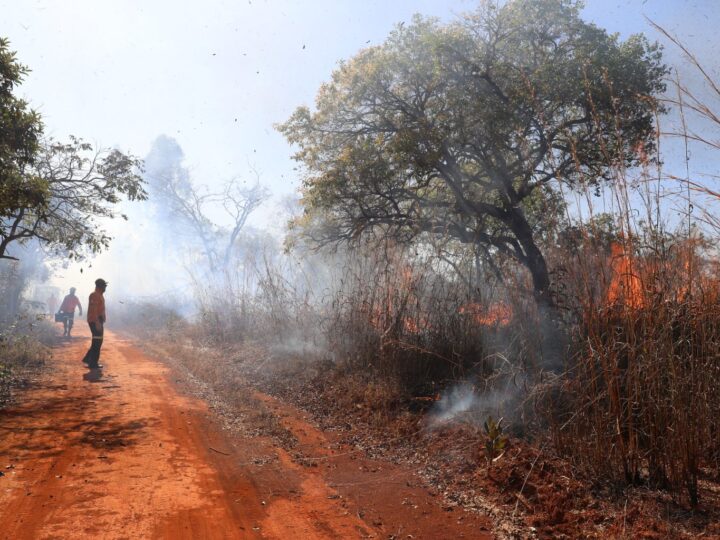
(639, 402)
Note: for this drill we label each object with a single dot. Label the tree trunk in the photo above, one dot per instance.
(551, 339)
(534, 260)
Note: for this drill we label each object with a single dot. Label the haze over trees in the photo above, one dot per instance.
(194, 216)
(465, 131)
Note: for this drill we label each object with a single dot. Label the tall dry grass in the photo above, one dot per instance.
(639, 399)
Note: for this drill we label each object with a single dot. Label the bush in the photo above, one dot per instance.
(23, 350)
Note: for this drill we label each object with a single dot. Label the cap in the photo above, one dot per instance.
(101, 283)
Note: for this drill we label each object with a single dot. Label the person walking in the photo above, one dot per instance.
(67, 310)
(96, 321)
(52, 302)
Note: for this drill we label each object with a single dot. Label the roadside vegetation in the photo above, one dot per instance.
(491, 272)
(24, 351)
(492, 275)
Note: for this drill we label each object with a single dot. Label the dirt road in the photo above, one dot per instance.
(124, 453)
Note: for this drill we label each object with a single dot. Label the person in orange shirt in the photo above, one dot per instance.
(67, 310)
(96, 321)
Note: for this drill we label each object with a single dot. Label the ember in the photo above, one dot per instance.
(494, 314)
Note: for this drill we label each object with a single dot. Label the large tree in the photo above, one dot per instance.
(465, 130)
(79, 185)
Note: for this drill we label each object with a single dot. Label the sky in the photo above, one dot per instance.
(217, 75)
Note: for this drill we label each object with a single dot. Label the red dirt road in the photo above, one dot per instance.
(125, 454)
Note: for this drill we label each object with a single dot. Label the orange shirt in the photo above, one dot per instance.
(69, 303)
(96, 308)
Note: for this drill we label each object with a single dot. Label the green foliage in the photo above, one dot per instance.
(464, 130)
(79, 184)
(495, 441)
(20, 129)
(50, 191)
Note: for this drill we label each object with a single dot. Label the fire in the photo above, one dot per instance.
(494, 314)
(414, 326)
(626, 286)
(636, 279)
(390, 312)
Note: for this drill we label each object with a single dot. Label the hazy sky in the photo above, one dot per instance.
(217, 75)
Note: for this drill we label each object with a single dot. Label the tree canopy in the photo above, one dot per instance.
(20, 132)
(49, 191)
(79, 185)
(464, 130)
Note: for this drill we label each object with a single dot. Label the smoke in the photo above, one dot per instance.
(458, 401)
(166, 246)
(300, 345)
(468, 403)
(505, 392)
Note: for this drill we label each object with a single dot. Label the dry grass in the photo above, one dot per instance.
(23, 351)
(638, 403)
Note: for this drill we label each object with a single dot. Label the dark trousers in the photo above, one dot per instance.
(92, 357)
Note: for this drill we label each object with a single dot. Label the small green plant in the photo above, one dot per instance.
(495, 441)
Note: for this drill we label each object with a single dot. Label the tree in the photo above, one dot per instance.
(465, 130)
(79, 184)
(16, 275)
(20, 130)
(49, 191)
(187, 206)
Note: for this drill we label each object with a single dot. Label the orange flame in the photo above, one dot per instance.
(494, 314)
(625, 284)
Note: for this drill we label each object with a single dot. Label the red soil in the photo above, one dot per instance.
(126, 453)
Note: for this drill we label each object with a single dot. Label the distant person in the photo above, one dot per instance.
(96, 321)
(67, 310)
(52, 303)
